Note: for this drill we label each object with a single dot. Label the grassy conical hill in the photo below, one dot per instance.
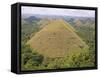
(78, 23)
(57, 39)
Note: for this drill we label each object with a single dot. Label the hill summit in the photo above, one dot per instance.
(57, 39)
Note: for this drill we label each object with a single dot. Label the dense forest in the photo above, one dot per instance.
(32, 60)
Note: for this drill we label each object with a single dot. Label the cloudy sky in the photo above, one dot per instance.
(57, 11)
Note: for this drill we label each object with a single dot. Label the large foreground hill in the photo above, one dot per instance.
(57, 39)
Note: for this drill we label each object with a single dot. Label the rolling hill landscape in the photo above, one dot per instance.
(56, 42)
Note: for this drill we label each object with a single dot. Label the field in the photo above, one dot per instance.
(49, 42)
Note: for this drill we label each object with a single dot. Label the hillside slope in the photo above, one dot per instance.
(57, 39)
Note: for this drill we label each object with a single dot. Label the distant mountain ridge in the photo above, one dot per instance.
(51, 16)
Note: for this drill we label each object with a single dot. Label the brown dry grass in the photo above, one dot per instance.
(57, 39)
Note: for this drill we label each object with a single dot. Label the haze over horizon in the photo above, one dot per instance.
(57, 11)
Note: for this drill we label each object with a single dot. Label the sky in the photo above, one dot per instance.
(57, 11)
